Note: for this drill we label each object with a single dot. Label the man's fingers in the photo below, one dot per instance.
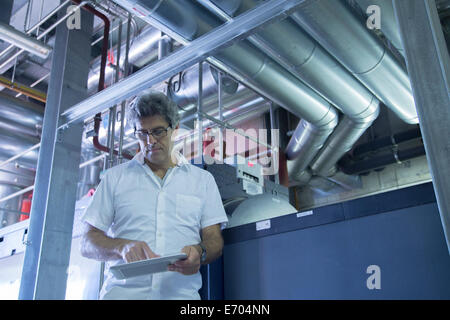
(131, 257)
(148, 253)
(136, 251)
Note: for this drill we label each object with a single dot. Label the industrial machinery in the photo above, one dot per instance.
(247, 195)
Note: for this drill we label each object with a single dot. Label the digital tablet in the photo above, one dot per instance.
(142, 267)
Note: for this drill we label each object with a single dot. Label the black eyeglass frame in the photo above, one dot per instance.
(145, 134)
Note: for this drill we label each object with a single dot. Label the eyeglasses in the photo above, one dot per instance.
(157, 133)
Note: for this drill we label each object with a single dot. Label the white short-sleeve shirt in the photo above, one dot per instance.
(131, 203)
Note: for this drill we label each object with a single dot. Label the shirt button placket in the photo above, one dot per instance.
(160, 223)
(159, 242)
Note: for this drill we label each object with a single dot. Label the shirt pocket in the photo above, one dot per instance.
(188, 209)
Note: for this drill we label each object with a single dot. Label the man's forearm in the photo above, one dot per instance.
(98, 246)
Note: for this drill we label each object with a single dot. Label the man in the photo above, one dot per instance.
(154, 205)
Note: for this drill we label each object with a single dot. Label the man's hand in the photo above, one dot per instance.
(190, 265)
(132, 251)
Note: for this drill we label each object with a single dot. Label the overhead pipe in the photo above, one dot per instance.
(18, 129)
(5, 65)
(12, 144)
(342, 140)
(318, 69)
(23, 41)
(20, 123)
(37, 25)
(19, 111)
(122, 106)
(341, 33)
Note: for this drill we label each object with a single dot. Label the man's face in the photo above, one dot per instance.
(156, 150)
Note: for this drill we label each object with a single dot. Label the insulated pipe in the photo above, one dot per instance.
(305, 138)
(273, 81)
(19, 129)
(19, 111)
(24, 41)
(313, 65)
(20, 122)
(12, 144)
(342, 34)
(341, 141)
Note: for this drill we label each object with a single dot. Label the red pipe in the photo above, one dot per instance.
(101, 82)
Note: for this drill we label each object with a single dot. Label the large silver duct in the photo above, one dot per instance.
(20, 124)
(341, 33)
(273, 81)
(24, 113)
(12, 144)
(313, 65)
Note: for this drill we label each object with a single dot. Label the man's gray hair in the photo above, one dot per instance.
(152, 103)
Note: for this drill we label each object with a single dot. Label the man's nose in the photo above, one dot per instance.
(150, 139)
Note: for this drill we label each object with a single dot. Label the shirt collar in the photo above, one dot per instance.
(180, 159)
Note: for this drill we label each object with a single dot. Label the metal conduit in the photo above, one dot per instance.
(341, 33)
(318, 69)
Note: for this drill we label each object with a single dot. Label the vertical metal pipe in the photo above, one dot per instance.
(199, 114)
(272, 138)
(26, 23)
(122, 107)
(40, 16)
(219, 95)
(113, 110)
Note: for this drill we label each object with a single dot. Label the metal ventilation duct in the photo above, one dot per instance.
(21, 112)
(312, 64)
(20, 124)
(12, 144)
(342, 34)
